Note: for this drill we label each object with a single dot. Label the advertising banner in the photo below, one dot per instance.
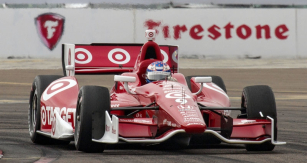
(200, 33)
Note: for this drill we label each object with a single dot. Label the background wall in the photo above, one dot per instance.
(210, 33)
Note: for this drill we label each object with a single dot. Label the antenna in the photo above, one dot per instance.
(173, 69)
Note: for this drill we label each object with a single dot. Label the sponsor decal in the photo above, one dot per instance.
(214, 32)
(119, 56)
(182, 108)
(83, 56)
(48, 115)
(165, 56)
(115, 105)
(150, 34)
(136, 121)
(179, 97)
(192, 119)
(50, 28)
(175, 56)
(176, 92)
(53, 125)
(247, 121)
(113, 130)
(107, 128)
(57, 87)
(169, 123)
(138, 115)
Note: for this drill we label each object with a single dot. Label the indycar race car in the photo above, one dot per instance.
(150, 102)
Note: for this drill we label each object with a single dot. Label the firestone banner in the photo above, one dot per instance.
(208, 33)
(224, 32)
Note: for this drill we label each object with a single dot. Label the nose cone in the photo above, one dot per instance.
(195, 128)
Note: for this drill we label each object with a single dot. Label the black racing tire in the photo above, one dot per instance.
(215, 79)
(256, 99)
(39, 84)
(90, 99)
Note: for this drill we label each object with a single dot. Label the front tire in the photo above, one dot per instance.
(39, 84)
(256, 99)
(91, 99)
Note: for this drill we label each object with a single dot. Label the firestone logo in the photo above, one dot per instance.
(50, 28)
(214, 32)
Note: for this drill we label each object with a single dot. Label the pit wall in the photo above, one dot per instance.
(209, 33)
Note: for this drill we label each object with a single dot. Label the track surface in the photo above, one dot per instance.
(289, 86)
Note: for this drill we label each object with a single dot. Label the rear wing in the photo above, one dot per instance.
(105, 58)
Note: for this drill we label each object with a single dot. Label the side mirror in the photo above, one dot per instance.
(125, 80)
(202, 80)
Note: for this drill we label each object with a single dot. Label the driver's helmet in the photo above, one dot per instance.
(157, 71)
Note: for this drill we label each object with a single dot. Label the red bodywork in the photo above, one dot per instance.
(178, 106)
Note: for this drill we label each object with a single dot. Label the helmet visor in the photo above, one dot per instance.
(157, 75)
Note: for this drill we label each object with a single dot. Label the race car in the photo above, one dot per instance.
(150, 102)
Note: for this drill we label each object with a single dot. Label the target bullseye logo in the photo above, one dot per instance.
(150, 34)
(43, 113)
(83, 56)
(175, 56)
(119, 56)
(165, 56)
(57, 87)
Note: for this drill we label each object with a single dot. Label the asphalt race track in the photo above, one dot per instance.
(289, 86)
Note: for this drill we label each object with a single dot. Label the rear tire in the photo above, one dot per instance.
(91, 99)
(215, 79)
(39, 85)
(256, 99)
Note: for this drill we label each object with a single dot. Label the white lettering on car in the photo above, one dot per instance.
(67, 114)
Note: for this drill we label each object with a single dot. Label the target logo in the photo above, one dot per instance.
(179, 97)
(165, 56)
(119, 56)
(53, 126)
(57, 87)
(43, 115)
(175, 56)
(150, 34)
(83, 56)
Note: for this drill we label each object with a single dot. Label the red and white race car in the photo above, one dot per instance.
(135, 111)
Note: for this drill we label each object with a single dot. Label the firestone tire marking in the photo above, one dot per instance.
(110, 56)
(164, 55)
(47, 96)
(81, 56)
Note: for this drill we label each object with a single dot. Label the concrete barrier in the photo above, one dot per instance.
(200, 33)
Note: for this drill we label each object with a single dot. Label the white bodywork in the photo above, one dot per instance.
(60, 129)
(111, 130)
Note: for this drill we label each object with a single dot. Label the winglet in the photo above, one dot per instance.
(111, 130)
(68, 59)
